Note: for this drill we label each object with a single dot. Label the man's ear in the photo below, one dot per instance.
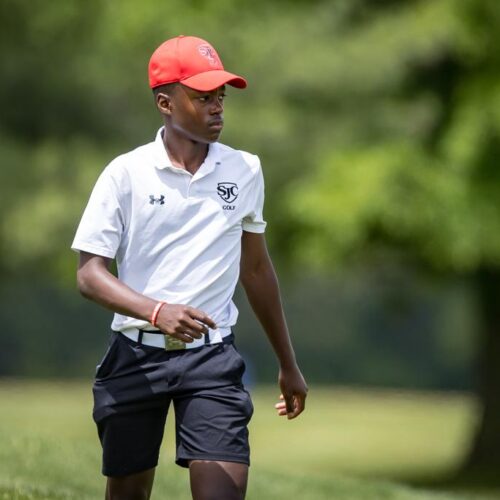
(164, 103)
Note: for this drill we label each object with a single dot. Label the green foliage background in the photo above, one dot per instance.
(378, 126)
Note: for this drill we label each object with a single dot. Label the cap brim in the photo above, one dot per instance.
(210, 80)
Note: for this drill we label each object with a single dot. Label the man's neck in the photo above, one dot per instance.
(185, 153)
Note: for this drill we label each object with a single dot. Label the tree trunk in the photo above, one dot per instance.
(484, 456)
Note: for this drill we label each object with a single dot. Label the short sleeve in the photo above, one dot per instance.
(102, 224)
(254, 221)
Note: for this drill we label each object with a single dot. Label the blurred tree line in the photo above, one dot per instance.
(378, 123)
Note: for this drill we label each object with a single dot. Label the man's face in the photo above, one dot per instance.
(196, 115)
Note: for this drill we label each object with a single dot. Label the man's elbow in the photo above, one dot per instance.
(84, 283)
(254, 277)
(249, 275)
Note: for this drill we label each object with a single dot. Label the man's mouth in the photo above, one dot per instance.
(217, 124)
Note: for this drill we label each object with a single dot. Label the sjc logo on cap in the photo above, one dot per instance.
(208, 52)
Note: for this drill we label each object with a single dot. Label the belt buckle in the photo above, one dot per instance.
(173, 344)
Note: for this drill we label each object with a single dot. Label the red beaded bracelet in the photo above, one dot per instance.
(156, 311)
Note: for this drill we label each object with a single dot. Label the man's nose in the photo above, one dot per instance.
(217, 107)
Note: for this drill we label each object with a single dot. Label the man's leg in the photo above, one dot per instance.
(130, 408)
(214, 480)
(133, 487)
(212, 422)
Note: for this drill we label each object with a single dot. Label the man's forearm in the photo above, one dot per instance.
(96, 283)
(264, 296)
(261, 285)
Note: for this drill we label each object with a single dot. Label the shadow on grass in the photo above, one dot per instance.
(481, 481)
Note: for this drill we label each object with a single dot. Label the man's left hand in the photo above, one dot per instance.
(293, 393)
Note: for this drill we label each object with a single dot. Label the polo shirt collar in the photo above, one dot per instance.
(162, 160)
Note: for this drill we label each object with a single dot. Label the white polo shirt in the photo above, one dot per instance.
(175, 236)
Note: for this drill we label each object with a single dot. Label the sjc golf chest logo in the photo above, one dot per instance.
(228, 191)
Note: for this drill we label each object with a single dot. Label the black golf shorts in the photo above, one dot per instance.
(134, 387)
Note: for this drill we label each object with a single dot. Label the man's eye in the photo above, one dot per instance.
(204, 98)
(222, 97)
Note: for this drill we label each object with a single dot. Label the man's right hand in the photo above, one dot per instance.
(183, 322)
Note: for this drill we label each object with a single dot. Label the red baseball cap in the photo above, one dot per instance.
(191, 61)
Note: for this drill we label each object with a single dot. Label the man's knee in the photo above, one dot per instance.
(133, 494)
(213, 480)
(129, 495)
(134, 487)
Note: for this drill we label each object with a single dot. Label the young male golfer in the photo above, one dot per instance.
(182, 216)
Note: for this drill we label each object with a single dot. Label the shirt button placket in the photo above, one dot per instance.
(189, 178)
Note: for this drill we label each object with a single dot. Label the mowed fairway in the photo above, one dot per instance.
(349, 445)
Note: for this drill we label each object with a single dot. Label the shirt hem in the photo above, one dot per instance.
(254, 229)
(103, 252)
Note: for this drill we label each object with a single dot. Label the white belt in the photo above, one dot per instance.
(170, 343)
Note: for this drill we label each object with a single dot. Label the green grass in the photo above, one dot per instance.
(349, 445)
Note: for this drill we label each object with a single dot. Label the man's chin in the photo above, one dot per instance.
(214, 136)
